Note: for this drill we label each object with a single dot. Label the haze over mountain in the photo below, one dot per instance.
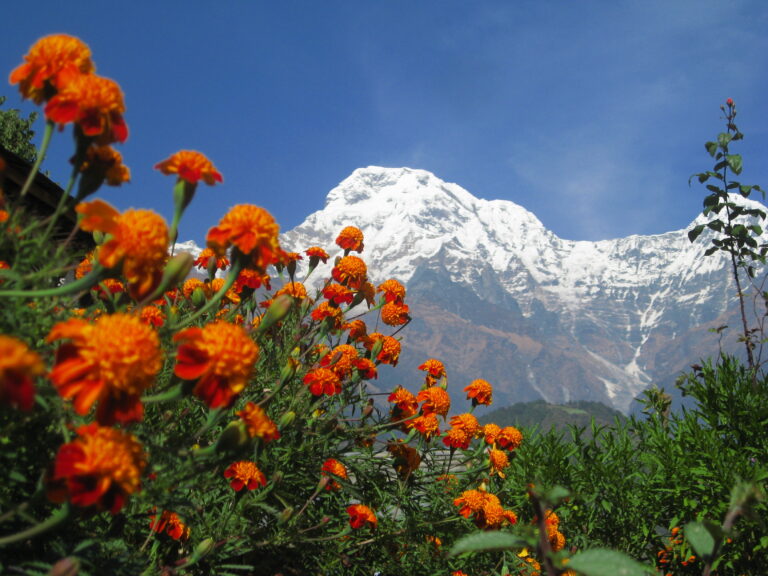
(496, 295)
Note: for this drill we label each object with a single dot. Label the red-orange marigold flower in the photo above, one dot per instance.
(350, 238)
(325, 310)
(366, 368)
(491, 432)
(245, 474)
(220, 356)
(405, 403)
(92, 102)
(470, 502)
(323, 381)
(509, 438)
(394, 314)
(350, 271)
(49, 63)
(257, 423)
(316, 254)
(102, 467)
(171, 524)
(206, 256)
(330, 468)
(111, 361)
(361, 516)
(457, 438)
(190, 166)
(390, 348)
(426, 424)
(137, 238)
(434, 369)
(337, 294)
(466, 422)
(18, 367)
(435, 401)
(152, 316)
(357, 330)
(252, 279)
(393, 290)
(341, 360)
(480, 392)
(252, 230)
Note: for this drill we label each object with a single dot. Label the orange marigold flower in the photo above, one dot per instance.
(466, 422)
(323, 381)
(103, 163)
(341, 360)
(366, 368)
(470, 502)
(434, 369)
(190, 166)
(350, 271)
(316, 255)
(333, 467)
(257, 423)
(295, 290)
(170, 523)
(457, 438)
(357, 330)
(499, 461)
(361, 516)
(390, 348)
(426, 425)
(435, 401)
(18, 367)
(137, 238)
(393, 291)
(152, 316)
(190, 285)
(49, 63)
(325, 310)
(350, 239)
(480, 392)
(220, 356)
(250, 229)
(245, 474)
(111, 361)
(207, 256)
(92, 102)
(394, 314)
(557, 541)
(251, 279)
(337, 294)
(491, 432)
(405, 404)
(230, 296)
(406, 458)
(4, 215)
(509, 438)
(102, 467)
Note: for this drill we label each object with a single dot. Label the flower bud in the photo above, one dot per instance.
(68, 566)
(276, 312)
(198, 297)
(286, 419)
(234, 437)
(175, 271)
(98, 237)
(288, 370)
(284, 516)
(203, 548)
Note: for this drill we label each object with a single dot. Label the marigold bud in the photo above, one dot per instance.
(234, 437)
(68, 566)
(276, 312)
(286, 419)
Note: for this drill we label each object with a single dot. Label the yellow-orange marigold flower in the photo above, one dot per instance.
(395, 314)
(499, 461)
(491, 432)
(470, 502)
(435, 400)
(323, 381)
(350, 271)
(111, 361)
(361, 516)
(435, 371)
(102, 467)
(92, 102)
(390, 348)
(190, 166)
(467, 422)
(457, 438)
(480, 392)
(214, 286)
(206, 256)
(509, 438)
(138, 239)
(171, 524)
(49, 63)
(341, 360)
(220, 356)
(333, 467)
(426, 425)
(190, 285)
(250, 229)
(245, 474)
(357, 330)
(18, 367)
(257, 423)
(393, 290)
(152, 316)
(350, 239)
(295, 290)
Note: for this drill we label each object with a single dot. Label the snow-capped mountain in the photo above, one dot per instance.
(496, 295)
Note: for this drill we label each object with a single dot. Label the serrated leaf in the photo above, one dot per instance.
(487, 541)
(703, 537)
(603, 562)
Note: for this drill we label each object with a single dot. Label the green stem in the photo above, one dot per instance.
(57, 518)
(65, 290)
(40, 157)
(234, 272)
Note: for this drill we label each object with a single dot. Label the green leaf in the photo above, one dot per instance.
(695, 233)
(734, 161)
(711, 148)
(487, 541)
(704, 537)
(603, 562)
(723, 139)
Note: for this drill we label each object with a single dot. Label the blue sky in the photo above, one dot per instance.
(591, 114)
